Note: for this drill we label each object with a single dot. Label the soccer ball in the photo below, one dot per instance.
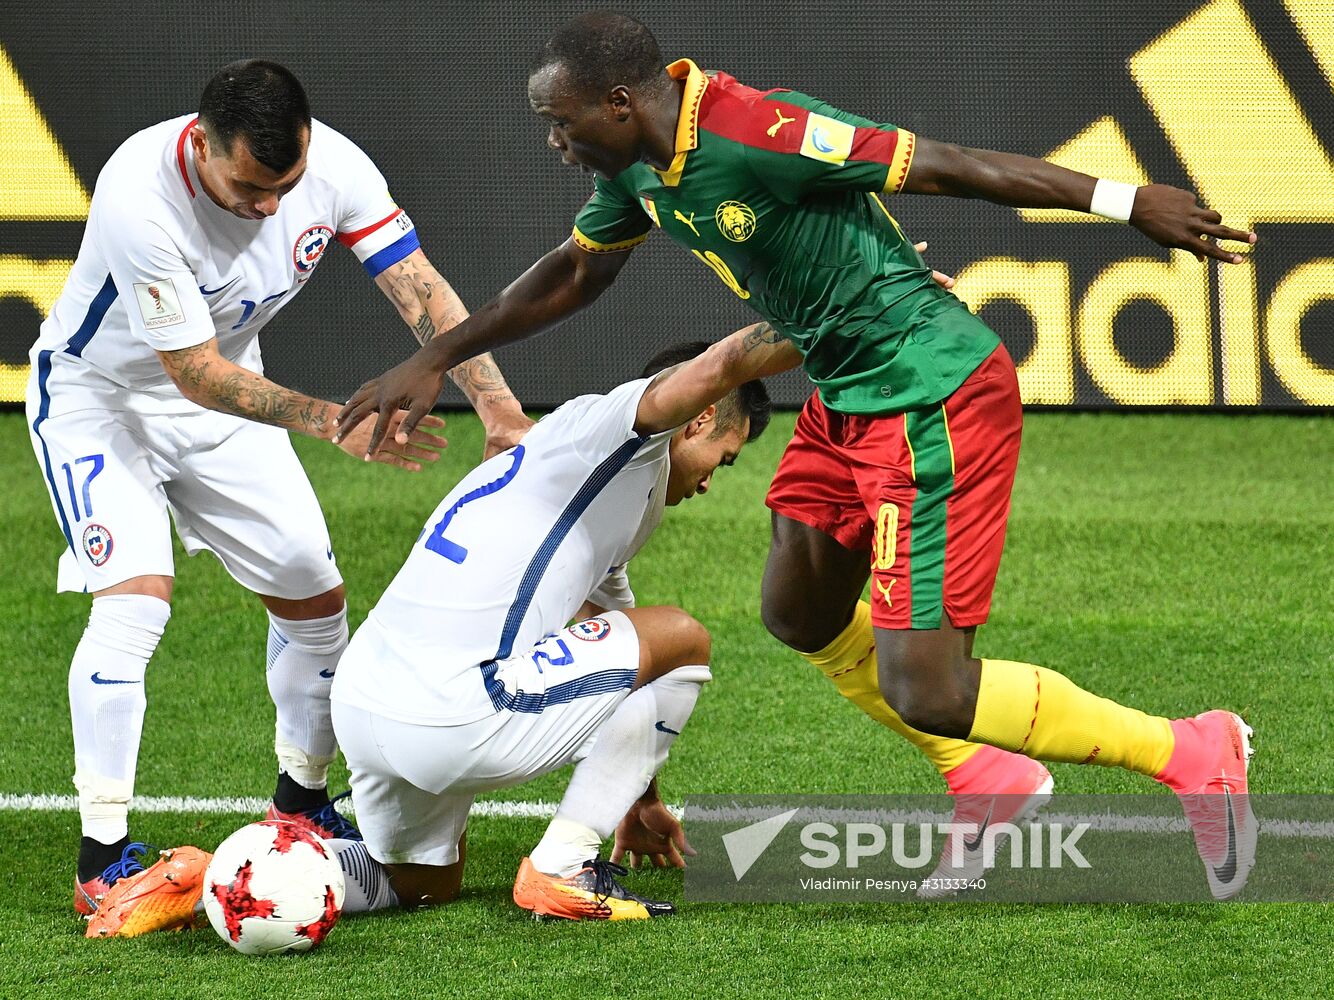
(273, 887)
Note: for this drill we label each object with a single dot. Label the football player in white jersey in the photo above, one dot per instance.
(147, 399)
(465, 677)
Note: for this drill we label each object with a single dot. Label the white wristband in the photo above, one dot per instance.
(1113, 200)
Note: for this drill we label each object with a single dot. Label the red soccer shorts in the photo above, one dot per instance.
(927, 492)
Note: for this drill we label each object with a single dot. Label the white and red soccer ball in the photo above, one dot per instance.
(273, 887)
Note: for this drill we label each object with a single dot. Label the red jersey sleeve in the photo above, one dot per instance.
(812, 146)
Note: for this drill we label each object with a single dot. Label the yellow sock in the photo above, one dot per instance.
(849, 661)
(1041, 714)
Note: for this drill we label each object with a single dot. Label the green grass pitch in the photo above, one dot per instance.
(1176, 563)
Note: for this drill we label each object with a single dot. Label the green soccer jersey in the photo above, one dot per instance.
(778, 193)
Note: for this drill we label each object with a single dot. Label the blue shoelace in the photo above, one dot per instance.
(128, 864)
(336, 823)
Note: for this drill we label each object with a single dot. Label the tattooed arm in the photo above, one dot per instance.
(429, 305)
(755, 351)
(754, 338)
(681, 393)
(205, 377)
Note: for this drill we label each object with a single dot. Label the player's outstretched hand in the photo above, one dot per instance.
(422, 445)
(1172, 217)
(504, 433)
(650, 833)
(940, 277)
(413, 386)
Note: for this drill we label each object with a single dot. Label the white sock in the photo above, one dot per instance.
(366, 881)
(631, 747)
(107, 704)
(302, 658)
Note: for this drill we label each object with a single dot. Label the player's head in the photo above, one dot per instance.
(597, 82)
(251, 140)
(716, 436)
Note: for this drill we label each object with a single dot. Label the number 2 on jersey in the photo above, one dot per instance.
(539, 654)
(450, 549)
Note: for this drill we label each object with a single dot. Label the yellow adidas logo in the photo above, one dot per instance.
(39, 184)
(1243, 138)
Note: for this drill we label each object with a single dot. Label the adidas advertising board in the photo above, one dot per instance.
(1233, 99)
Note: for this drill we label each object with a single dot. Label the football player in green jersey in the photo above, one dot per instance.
(902, 463)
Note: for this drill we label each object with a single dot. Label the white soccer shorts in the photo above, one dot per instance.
(233, 487)
(412, 785)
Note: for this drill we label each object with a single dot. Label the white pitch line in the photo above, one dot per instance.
(1103, 822)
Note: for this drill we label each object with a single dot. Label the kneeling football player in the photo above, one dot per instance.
(465, 679)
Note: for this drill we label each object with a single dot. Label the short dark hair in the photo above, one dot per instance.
(603, 49)
(264, 103)
(750, 399)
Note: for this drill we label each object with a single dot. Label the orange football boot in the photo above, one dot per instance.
(87, 895)
(592, 893)
(159, 898)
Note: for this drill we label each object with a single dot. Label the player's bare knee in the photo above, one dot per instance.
(914, 706)
(668, 638)
(776, 621)
(696, 644)
(794, 625)
(686, 641)
(925, 699)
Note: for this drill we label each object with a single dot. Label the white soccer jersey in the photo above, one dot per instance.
(162, 267)
(508, 557)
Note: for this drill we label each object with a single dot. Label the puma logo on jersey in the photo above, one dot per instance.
(884, 592)
(689, 222)
(773, 129)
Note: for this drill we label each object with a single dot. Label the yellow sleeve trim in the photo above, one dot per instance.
(900, 162)
(593, 246)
